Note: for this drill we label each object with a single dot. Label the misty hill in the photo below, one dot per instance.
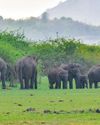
(87, 11)
(43, 29)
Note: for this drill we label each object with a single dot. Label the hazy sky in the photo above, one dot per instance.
(25, 8)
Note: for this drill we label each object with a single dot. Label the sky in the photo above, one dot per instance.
(25, 8)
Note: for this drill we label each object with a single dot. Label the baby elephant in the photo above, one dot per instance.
(56, 76)
(83, 81)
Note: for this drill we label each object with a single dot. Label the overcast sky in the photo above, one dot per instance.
(25, 8)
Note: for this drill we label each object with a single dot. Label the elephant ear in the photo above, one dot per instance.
(64, 66)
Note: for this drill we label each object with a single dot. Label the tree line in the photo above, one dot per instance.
(13, 46)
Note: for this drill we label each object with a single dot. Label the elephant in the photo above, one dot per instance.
(27, 72)
(73, 73)
(56, 76)
(3, 71)
(11, 75)
(83, 80)
(94, 76)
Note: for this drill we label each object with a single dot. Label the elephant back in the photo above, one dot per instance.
(94, 69)
(64, 66)
(94, 73)
(3, 64)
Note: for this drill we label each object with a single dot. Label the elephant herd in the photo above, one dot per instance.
(25, 71)
(65, 74)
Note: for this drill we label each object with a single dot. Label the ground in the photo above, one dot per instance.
(49, 107)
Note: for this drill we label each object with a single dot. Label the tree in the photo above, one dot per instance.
(1, 18)
(45, 17)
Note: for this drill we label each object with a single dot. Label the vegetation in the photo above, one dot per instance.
(52, 52)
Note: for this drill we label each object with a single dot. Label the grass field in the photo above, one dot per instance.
(49, 107)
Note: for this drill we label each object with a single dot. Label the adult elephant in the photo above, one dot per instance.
(3, 71)
(27, 72)
(11, 75)
(94, 76)
(56, 76)
(73, 73)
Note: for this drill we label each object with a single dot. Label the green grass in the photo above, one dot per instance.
(62, 107)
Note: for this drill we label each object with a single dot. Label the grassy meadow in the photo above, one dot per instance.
(49, 107)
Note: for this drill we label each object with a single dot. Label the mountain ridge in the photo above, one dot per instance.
(39, 29)
(86, 11)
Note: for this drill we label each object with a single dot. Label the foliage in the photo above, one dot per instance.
(52, 52)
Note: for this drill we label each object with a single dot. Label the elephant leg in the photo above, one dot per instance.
(50, 85)
(11, 81)
(71, 83)
(26, 83)
(58, 85)
(36, 82)
(83, 85)
(80, 85)
(3, 80)
(21, 83)
(64, 84)
(11, 84)
(32, 83)
(86, 84)
(90, 84)
(20, 76)
(77, 84)
(96, 85)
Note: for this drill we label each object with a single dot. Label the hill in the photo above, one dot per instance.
(39, 29)
(86, 11)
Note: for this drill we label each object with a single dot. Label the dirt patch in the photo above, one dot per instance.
(47, 111)
(97, 110)
(30, 110)
(55, 112)
(43, 123)
(7, 113)
(20, 105)
(31, 95)
(60, 100)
